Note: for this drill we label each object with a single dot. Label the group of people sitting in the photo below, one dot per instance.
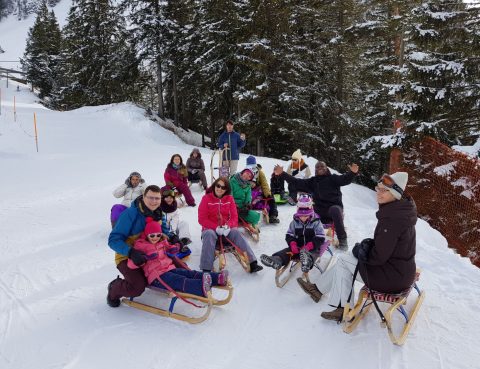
(147, 233)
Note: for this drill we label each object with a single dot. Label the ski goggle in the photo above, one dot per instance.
(168, 193)
(388, 182)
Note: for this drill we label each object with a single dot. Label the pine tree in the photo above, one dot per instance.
(42, 51)
(443, 90)
(98, 64)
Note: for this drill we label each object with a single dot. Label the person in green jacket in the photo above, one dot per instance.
(242, 193)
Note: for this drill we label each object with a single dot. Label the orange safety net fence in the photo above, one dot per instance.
(445, 185)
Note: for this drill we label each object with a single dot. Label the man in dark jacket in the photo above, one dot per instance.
(326, 194)
(387, 262)
(127, 229)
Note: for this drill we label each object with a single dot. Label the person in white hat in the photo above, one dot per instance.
(385, 263)
(297, 169)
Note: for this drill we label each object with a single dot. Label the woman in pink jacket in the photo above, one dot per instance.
(160, 270)
(217, 214)
(176, 175)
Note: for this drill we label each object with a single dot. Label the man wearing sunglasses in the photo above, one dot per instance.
(127, 229)
(326, 194)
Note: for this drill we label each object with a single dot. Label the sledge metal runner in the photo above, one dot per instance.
(223, 169)
(206, 303)
(225, 246)
(367, 297)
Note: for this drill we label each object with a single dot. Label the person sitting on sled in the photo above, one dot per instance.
(176, 176)
(297, 169)
(160, 270)
(132, 188)
(217, 214)
(261, 184)
(242, 193)
(386, 263)
(196, 168)
(179, 231)
(305, 239)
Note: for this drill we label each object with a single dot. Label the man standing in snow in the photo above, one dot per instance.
(326, 193)
(232, 142)
(127, 229)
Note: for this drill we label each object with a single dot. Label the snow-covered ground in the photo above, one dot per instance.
(55, 265)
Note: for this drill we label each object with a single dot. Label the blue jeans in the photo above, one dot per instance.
(184, 280)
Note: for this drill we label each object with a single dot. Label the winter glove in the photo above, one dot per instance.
(308, 246)
(219, 231)
(294, 247)
(363, 249)
(138, 257)
(226, 230)
(173, 240)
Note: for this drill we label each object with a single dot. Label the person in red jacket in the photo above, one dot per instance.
(217, 214)
(160, 270)
(176, 176)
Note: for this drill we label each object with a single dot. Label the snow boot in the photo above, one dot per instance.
(114, 303)
(254, 267)
(336, 314)
(206, 283)
(310, 289)
(274, 262)
(223, 278)
(306, 260)
(343, 244)
(185, 241)
(273, 219)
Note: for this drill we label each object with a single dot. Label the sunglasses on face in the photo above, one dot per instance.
(153, 235)
(294, 159)
(220, 186)
(153, 198)
(388, 181)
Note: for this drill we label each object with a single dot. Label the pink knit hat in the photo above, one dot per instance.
(152, 226)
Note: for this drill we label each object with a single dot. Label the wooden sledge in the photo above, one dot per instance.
(206, 303)
(253, 231)
(223, 171)
(293, 266)
(241, 257)
(352, 317)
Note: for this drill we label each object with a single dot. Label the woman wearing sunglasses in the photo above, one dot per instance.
(386, 263)
(217, 214)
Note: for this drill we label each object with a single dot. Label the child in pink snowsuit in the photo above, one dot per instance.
(160, 270)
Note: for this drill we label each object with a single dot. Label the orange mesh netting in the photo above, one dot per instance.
(445, 185)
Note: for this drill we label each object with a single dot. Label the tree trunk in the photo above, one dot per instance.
(161, 112)
(175, 100)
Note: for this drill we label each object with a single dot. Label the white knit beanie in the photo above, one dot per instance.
(297, 155)
(401, 179)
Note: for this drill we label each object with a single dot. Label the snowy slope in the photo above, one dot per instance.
(55, 265)
(13, 34)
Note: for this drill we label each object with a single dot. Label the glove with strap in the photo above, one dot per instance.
(138, 257)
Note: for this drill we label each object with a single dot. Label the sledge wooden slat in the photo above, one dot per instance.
(352, 317)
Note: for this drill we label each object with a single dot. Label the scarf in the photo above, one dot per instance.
(168, 208)
(243, 183)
